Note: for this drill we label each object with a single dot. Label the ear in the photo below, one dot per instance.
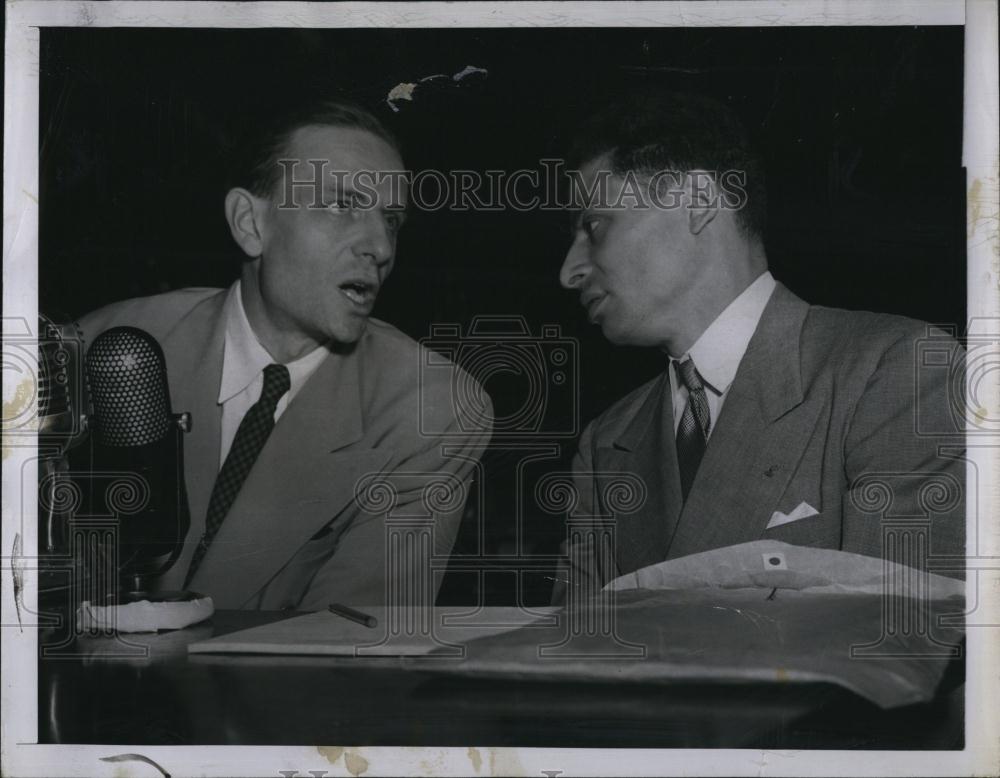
(245, 215)
(704, 200)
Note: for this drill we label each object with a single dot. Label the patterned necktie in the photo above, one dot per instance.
(250, 438)
(692, 433)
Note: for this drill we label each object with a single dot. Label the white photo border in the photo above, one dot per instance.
(20, 754)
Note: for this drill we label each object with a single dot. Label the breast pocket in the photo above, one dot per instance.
(813, 530)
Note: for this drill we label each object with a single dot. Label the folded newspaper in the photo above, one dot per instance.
(759, 611)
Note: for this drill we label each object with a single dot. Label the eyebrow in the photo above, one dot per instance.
(350, 191)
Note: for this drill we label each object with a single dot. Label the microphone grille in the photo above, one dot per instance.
(128, 387)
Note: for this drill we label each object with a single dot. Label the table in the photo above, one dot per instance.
(171, 698)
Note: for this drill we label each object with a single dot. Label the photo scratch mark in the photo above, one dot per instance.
(752, 616)
(355, 763)
(402, 91)
(405, 89)
(332, 753)
(17, 574)
(135, 758)
(468, 70)
(19, 403)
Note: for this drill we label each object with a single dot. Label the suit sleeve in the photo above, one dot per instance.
(429, 485)
(904, 459)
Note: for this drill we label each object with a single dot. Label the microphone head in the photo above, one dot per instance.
(128, 388)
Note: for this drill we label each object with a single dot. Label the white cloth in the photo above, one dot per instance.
(143, 616)
(243, 363)
(719, 350)
(772, 563)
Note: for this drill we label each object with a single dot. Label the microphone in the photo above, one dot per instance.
(137, 456)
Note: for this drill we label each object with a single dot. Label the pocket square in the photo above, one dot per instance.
(803, 511)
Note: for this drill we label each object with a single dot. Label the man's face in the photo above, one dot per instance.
(633, 264)
(326, 250)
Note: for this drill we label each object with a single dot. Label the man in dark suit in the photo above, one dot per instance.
(301, 401)
(773, 418)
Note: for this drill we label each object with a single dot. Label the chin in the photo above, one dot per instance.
(619, 336)
(349, 332)
(614, 334)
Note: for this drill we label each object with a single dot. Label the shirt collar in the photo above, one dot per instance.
(719, 350)
(244, 358)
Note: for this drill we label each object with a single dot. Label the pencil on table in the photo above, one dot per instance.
(352, 615)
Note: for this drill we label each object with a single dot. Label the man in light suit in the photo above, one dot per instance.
(286, 523)
(773, 418)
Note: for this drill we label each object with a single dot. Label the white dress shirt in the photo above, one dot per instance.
(719, 350)
(243, 363)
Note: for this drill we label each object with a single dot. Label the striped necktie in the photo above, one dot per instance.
(250, 438)
(696, 422)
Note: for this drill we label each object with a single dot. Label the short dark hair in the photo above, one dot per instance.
(254, 163)
(649, 131)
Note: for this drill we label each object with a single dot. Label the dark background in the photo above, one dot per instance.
(860, 129)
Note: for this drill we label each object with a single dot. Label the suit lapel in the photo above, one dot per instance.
(194, 374)
(646, 448)
(303, 477)
(760, 435)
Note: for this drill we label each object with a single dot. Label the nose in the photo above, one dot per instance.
(377, 241)
(575, 268)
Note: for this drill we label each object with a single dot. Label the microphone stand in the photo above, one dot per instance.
(137, 577)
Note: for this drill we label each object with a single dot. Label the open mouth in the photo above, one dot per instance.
(359, 292)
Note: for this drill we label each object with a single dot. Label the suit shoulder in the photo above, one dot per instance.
(613, 421)
(836, 334)
(391, 351)
(397, 362)
(156, 313)
(390, 341)
(876, 326)
(406, 356)
(857, 350)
